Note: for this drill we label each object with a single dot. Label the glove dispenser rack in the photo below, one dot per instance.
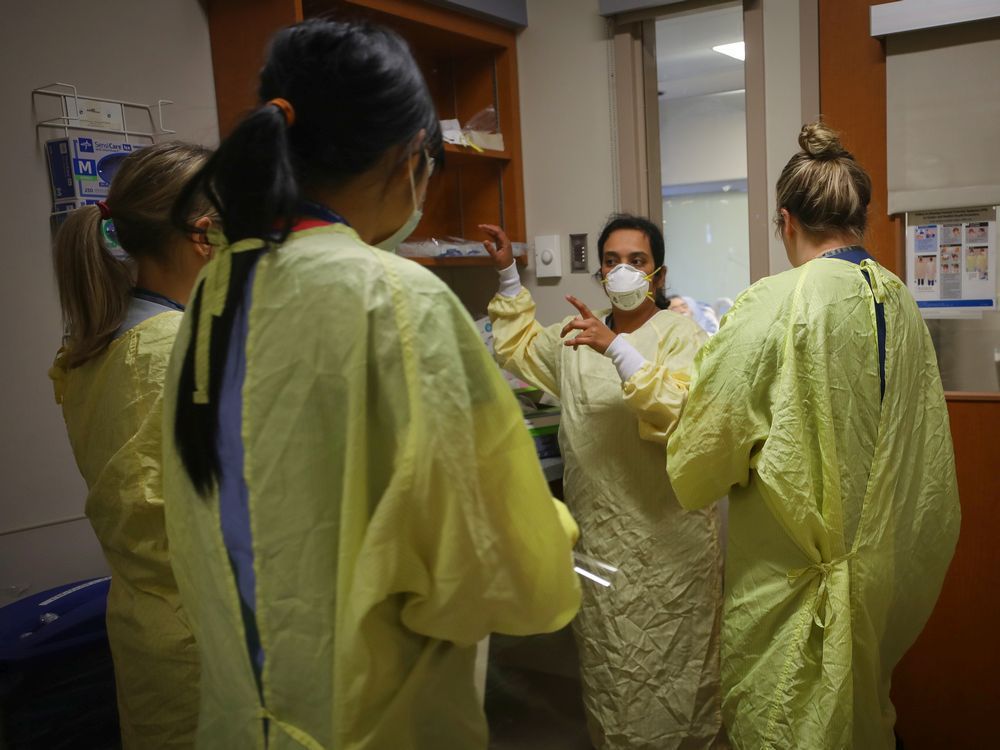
(61, 106)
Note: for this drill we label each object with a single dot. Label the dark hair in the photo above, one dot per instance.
(653, 234)
(356, 92)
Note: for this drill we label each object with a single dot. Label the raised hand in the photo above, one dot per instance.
(593, 332)
(500, 248)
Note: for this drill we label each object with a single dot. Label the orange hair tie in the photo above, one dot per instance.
(286, 109)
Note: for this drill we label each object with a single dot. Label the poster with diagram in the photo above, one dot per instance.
(951, 259)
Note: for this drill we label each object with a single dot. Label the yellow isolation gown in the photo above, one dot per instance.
(397, 509)
(649, 644)
(843, 510)
(113, 408)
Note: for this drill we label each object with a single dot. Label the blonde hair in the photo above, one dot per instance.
(823, 186)
(95, 286)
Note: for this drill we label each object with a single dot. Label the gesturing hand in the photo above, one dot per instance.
(593, 332)
(500, 248)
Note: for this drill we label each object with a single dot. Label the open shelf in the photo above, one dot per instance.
(461, 153)
(474, 261)
(469, 64)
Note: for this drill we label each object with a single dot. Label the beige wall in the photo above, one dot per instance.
(563, 59)
(782, 93)
(161, 49)
(783, 80)
(566, 124)
(137, 50)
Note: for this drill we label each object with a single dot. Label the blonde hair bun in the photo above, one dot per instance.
(820, 141)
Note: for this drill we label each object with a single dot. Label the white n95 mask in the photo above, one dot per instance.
(627, 286)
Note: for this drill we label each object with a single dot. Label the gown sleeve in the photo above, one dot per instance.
(522, 345)
(657, 391)
(489, 549)
(727, 415)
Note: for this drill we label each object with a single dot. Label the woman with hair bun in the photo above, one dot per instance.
(353, 501)
(818, 409)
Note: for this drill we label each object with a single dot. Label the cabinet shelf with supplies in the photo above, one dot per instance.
(474, 261)
(469, 65)
(457, 154)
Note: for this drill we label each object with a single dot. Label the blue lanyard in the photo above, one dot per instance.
(851, 253)
(855, 254)
(157, 298)
(321, 212)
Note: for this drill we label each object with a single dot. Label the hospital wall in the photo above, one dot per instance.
(563, 59)
(137, 50)
(791, 63)
(565, 64)
(142, 51)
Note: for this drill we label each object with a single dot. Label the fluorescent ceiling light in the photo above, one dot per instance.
(736, 49)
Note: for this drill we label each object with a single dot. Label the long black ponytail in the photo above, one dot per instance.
(355, 92)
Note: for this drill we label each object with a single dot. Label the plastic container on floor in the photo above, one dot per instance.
(57, 686)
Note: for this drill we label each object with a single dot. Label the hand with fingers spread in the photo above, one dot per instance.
(593, 332)
(500, 248)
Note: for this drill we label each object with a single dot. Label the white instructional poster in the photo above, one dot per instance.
(951, 259)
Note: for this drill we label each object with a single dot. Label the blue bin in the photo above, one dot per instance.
(57, 685)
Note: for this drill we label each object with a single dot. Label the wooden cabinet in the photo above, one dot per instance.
(469, 64)
(945, 688)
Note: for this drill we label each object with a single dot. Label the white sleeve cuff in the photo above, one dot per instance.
(510, 281)
(626, 357)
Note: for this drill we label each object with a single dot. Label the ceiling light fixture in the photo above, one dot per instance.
(736, 50)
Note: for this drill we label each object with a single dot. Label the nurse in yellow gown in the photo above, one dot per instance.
(818, 408)
(649, 644)
(109, 379)
(353, 501)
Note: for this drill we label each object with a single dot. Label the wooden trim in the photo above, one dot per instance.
(441, 18)
(961, 396)
(852, 99)
(630, 143)
(637, 120)
(809, 59)
(675, 8)
(651, 124)
(758, 189)
(459, 153)
(509, 110)
(238, 57)
(472, 261)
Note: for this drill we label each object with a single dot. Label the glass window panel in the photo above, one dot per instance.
(703, 159)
